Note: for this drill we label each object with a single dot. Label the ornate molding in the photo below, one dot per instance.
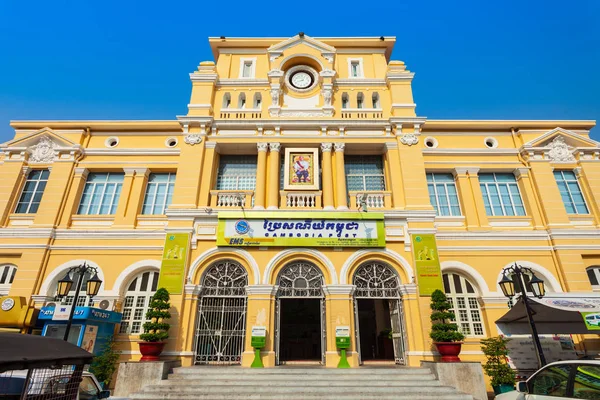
(326, 147)
(327, 93)
(339, 146)
(262, 146)
(43, 151)
(559, 150)
(192, 139)
(274, 146)
(409, 139)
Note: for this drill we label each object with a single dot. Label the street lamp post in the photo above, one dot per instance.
(507, 286)
(65, 284)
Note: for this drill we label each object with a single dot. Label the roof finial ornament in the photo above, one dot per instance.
(301, 34)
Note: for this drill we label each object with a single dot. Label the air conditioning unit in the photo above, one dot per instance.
(106, 305)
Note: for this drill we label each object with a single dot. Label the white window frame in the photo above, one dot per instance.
(6, 280)
(364, 176)
(243, 62)
(129, 310)
(361, 70)
(562, 171)
(596, 271)
(453, 297)
(170, 183)
(437, 196)
(116, 194)
(35, 191)
(237, 182)
(510, 192)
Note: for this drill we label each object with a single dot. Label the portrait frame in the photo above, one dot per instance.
(301, 169)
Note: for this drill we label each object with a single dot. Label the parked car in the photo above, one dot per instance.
(49, 382)
(573, 379)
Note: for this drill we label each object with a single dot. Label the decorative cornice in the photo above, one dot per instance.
(269, 290)
(339, 290)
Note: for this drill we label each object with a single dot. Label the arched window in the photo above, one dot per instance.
(257, 100)
(225, 278)
(593, 273)
(463, 296)
(360, 100)
(375, 99)
(300, 279)
(226, 100)
(137, 298)
(7, 276)
(345, 100)
(376, 280)
(242, 100)
(83, 299)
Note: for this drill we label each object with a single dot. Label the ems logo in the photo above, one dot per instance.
(242, 227)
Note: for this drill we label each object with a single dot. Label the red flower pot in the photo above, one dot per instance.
(151, 350)
(449, 351)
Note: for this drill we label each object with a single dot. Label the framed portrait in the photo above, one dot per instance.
(301, 170)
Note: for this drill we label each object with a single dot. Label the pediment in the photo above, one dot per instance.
(325, 50)
(570, 138)
(34, 138)
(42, 147)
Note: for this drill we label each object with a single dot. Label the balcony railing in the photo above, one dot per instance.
(361, 113)
(231, 198)
(253, 113)
(302, 200)
(372, 199)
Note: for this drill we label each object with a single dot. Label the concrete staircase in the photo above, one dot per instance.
(299, 383)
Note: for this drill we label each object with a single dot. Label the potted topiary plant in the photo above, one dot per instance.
(445, 335)
(496, 365)
(104, 365)
(156, 329)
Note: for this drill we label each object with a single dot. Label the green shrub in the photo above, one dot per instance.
(496, 365)
(441, 329)
(156, 330)
(105, 364)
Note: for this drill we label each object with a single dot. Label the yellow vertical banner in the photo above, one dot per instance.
(429, 273)
(172, 266)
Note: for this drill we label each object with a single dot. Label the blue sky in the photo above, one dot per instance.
(118, 59)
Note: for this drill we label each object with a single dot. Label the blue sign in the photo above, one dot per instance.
(87, 313)
(242, 227)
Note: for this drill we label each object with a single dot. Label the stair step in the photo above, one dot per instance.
(313, 383)
(297, 378)
(216, 370)
(291, 388)
(296, 396)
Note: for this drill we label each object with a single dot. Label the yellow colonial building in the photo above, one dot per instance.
(300, 193)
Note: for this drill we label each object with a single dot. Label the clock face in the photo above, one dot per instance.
(8, 304)
(301, 80)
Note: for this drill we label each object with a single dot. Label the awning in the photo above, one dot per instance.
(554, 314)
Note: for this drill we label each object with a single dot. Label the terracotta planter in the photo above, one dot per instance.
(151, 350)
(449, 351)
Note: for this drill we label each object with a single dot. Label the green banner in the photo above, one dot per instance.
(429, 273)
(591, 320)
(173, 262)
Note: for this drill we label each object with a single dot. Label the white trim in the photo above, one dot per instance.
(129, 272)
(353, 82)
(215, 250)
(243, 62)
(111, 139)
(549, 279)
(350, 262)
(242, 82)
(299, 251)
(361, 70)
(59, 271)
(491, 139)
(470, 272)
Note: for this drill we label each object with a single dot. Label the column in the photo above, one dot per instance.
(74, 196)
(529, 197)
(548, 193)
(340, 177)
(55, 193)
(395, 178)
(327, 176)
(468, 204)
(273, 203)
(339, 303)
(261, 312)
(134, 199)
(12, 174)
(261, 176)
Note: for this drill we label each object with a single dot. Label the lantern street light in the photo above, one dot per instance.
(66, 283)
(507, 285)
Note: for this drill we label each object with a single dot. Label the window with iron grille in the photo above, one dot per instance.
(136, 301)
(501, 194)
(31, 196)
(463, 297)
(101, 194)
(364, 173)
(443, 194)
(159, 193)
(570, 192)
(236, 173)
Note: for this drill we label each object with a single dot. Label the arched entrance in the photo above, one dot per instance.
(300, 314)
(221, 321)
(379, 319)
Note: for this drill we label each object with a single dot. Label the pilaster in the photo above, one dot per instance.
(74, 195)
(189, 171)
(339, 309)
(529, 197)
(12, 176)
(394, 181)
(412, 165)
(209, 166)
(340, 173)
(261, 312)
(261, 176)
(478, 197)
(274, 159)
(588, 176)
(327, 176)
(134, 200)
(121, 211)
(468, 205)
(548, 193)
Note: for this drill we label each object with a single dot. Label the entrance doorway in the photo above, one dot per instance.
(378, 314)
(300, 330)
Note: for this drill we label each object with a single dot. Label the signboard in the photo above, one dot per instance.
(591, 320)
(429, 273)
(348, 229)
(342, 331)
(522, 355)
(173, 262)
(61, 313)
(259, 331)
(89, 338)
(88, 313)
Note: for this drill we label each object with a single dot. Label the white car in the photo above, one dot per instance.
(50, 381)
(593, 319)
(573, 379)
